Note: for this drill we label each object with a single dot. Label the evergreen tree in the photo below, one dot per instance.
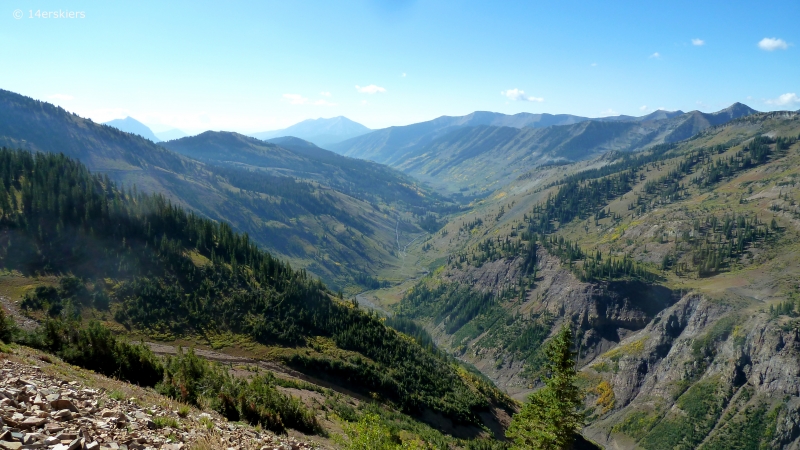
(552, 416)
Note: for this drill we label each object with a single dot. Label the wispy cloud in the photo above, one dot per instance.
(643, 108)
(403, 75)
(371, 89)
(519, 95)
(363, 102)
(593, 64)
(655, 55)
(698, 42)
(786, 99)
(608, 112)
(325, 94)
(61, 97)
(772, 44)
(295, 99)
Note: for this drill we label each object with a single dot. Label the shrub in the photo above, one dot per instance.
(96, 348)
(192, 379)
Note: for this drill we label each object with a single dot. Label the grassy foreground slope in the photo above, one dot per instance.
(138, 261)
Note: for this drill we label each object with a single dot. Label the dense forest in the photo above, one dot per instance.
(157, 268)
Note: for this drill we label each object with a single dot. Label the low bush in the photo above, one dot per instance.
(258, 401)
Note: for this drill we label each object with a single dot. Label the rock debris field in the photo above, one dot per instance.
(39, 411)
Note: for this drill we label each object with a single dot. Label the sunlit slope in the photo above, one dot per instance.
(678, 265)
(479, 156)
(340, 237)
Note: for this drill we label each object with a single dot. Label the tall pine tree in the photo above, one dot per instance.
(551, 416)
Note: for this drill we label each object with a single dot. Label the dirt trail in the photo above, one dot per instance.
(278, 369)
(12, 309)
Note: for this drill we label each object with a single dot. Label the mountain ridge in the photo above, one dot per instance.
(311, 225)
(456, 154)
(322, 132)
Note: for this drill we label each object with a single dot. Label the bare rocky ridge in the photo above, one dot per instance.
(39, 410)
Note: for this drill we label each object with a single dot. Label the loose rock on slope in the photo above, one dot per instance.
(42, 411)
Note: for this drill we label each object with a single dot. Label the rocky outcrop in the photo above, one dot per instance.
(747, 358)
(605, 312)
(43, 411)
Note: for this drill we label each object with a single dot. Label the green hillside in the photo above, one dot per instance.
(677, 266)
(303, 160)
(141, 264)
(316, 210)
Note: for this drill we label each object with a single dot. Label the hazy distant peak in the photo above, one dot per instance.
(320, 132)
(133, 126)
(170, 135)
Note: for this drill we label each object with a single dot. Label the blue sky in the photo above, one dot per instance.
(256, 66)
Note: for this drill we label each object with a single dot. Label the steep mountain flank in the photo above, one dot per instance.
(501, 336)
(483, 152)
(677, 267)
(320, 213)
(303, 160)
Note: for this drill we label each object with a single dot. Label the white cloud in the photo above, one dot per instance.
(643, 108)
(295, 99)
(772, 44)
(655, 55)
(403, 75)
(363, 102)
(519, 95)
(608, 112)
(698, 42)
(61, 97)
(325, 94)
(371, 89)
(785, 99)
(594, 64)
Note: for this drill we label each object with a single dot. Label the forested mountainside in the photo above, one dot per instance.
(138, 263)
(482, 156)
(300, 159)
(678, 267)
(345, 236)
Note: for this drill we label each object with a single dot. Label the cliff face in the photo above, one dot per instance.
(697, 375)
(689, 372)
(605, 312)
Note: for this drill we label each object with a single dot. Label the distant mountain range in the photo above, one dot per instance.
(482, 149)
(388, 144)
(321, 132)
